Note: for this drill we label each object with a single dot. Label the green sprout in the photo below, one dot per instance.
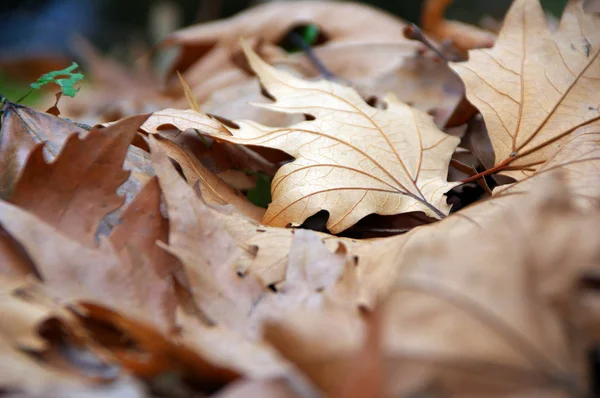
(66, 83)
(260, 195)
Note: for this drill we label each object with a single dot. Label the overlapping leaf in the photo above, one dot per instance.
(534, 88)
(351, 160)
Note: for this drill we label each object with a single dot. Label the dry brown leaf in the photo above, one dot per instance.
(352, 160)
(322, 345)
(22, 129)
(264, 249)
(212, 247)
(467, 317)
(120, 275)
(374, 69)
(213, 42)
(152, 353)
(214, 190)
(502, 312)
(254, 359)
(79, 188)
(352, 60)
(272, 20)
(421, 81)
(577, 162)
(25, 370)
(534, 88)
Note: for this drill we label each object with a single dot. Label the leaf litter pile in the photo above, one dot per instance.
(431, 228)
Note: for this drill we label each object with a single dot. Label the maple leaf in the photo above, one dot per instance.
(575, 164)
(534, 88)
(352, 160)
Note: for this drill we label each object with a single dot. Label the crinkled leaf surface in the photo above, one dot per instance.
(351, 160)
(535, 87)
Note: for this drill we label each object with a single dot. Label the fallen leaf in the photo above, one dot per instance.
(264, 253)
(421, 81)
(110, 273)
(271, 21)
(359, 162)
(211, 248)
(80, 187)
(213, 189)
(154, 353)
(25, 371)
(502, 312)
(22, 129)
(182, 119)
(535, 88)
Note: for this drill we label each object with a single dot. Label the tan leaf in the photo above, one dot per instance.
(352, 160)
(183, 119)
(212, 43)
(212, 246)
(467, 317)
(149, 353)
(375, 69)
(264, 249)
(534, 88)
(214, 190)
(121, 275)
(26, 369)
(577, 163)
(507, 309)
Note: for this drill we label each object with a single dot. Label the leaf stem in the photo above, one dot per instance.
(493, 170)
(25, 96)
(298, 40)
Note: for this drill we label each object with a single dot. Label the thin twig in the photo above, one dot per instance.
(414, 33)
(298, 41)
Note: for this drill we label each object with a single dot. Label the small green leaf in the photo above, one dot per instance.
(310, 34)
(260, 195)
(66, 83)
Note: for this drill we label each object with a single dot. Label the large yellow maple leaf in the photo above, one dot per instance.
(534, 88)
(351, 159)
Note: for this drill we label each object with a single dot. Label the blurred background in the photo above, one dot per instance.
(36, 36)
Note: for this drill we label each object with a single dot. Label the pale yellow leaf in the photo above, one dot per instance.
(534, 88)
(351, 160)
(183, 119)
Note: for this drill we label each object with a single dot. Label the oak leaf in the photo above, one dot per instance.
(351, 160)
(534, 88)
(80, 186)
(22, 129)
